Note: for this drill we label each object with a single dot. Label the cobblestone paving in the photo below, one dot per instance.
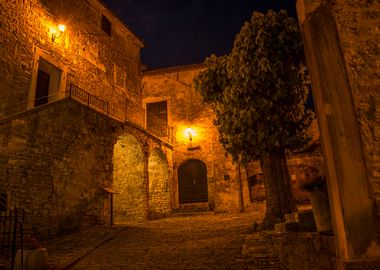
(205, 241)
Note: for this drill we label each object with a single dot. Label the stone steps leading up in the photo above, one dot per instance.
(299, 221)
(257, 251)
(191, 211)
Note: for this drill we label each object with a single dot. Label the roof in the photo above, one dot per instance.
(118, 20)
(173, 69)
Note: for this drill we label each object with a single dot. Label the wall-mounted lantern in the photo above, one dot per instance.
(189, 133)
(56, 33)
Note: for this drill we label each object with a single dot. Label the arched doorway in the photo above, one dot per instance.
(159, 188)
(131, 202)
(192, 182)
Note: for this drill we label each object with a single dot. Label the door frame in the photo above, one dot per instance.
(206, 177)
(38, 55)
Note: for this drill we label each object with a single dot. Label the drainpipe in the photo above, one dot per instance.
(111, 206)
(241, 201)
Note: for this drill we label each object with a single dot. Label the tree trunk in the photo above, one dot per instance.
(278, 188)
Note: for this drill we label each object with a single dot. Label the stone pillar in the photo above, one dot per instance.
(350, 197)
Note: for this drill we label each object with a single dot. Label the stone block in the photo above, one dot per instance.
(286, 227)
(304, 218)
(364, 264)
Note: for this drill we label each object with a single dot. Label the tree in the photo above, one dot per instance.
(258, 93)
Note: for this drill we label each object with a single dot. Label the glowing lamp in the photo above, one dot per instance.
(61, 27)
(57, 33)
(189, 133)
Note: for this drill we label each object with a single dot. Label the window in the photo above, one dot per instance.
(106, 25)
(157, 118)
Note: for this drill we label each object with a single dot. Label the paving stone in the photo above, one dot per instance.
(206, 241)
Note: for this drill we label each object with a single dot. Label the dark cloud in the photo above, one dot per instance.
(178, 32)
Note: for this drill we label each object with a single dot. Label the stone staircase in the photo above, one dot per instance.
(257, 251)
(300, 221)
(192, 209)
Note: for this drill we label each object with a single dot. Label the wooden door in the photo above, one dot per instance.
(192, 182)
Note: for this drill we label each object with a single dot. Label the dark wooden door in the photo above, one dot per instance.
(192, 182)
(42, 88)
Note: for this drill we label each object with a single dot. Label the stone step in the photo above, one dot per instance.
(190, 211)
(287, 227)
(305, 219)
(299, 215)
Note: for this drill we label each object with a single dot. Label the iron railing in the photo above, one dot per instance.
(134, 112)
(128, 110)
(11, 231)
(161, 128)
(89, 99)
(30, 104)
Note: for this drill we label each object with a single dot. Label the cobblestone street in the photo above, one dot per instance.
(204, 241)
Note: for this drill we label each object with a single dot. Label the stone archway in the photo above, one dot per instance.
(131, 202)
(159, 188)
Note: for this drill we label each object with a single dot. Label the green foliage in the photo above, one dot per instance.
(259, 90)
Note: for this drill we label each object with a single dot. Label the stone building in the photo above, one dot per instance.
(72, 131)
(77, 146)
(197, 150)
(86, 137)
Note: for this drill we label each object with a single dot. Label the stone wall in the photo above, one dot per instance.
(55, 159)
(159, 185)
(299, 165)
(185, 109)
(52, 162)
(299, 251)
(359, 34)
(107, 66)
(129, 181)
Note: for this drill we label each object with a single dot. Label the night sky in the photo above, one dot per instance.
(181, 32)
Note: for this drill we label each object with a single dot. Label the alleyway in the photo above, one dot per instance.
(204, 241)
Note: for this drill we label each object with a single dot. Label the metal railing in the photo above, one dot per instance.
(89, 99)
(134, 112)
(128, 110)
(11, 231)
(159, 127)
(31, 104)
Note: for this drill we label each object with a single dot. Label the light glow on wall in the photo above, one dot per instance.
(184, 131)
(189, 133)
(61, 27)
(57, 31)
